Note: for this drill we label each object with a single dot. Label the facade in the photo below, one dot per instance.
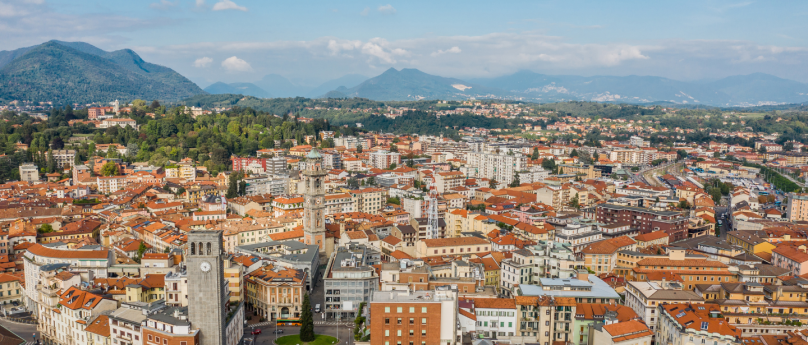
(37, 256)
(797, 208)
(683, 324)
(544, 320)
(418, 317)
(644, 297)
(382, 159)
(349, 280)
(500, 167)
(29, 172)
(368, 200)
(276, 292)
(645, 220)
(64, 158)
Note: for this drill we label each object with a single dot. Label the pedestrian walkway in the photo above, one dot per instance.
(316, 323)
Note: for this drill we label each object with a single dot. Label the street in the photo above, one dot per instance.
(23, 330)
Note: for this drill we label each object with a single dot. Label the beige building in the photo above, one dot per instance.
(445, 181)
(797, 208)
(368, 200)
(451, 246)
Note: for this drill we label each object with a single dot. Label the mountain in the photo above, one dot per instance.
(346, 81)
(281, 87)
(248, 89)
(79, 72)
(753, 89)
(412, 84)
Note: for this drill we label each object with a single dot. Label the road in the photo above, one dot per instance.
(24, 330)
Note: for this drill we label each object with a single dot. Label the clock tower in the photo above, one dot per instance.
(314, 203)
(208, 295)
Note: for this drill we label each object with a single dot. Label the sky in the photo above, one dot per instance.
(310, 42)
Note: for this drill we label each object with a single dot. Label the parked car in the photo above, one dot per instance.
(277, 331)
(256, 331)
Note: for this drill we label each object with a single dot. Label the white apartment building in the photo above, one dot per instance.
(64, 157)
(91, 264)
(110, 184)
(338, 203)
(382, 159)
(267, 184)
(29, 172)
(495, 316)
(445, 181)
(368, 200)
(500, 167)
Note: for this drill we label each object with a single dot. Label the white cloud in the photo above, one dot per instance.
(387, 9)
(452, 50)
(228, 5)
(35, 2)
(203, 62)
(365, 12)
(200, 3)
(9, 10)
(162, 5)
(235, 64)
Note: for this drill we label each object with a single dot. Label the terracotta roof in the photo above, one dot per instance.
(494, 303)
(40, 250)
(457, 241)
(286, 235)
(623, 331)
(791, 253)
(650, 236)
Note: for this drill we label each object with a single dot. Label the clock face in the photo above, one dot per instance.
(205, 267)
(318, 201)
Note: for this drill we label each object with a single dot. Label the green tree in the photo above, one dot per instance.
(51, 162)
(575, 203)
(681, 154)
(492, 184)
(233, 184)
(359, 148)
(684, 205)
(535, 154)
(306, 321)
(515, 182)
(45, 228)
(393, 148)
(109, 169)
(392, 166)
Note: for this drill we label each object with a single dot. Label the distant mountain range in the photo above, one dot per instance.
(275, 85)
(79, 72)
(247, 89)
(745, 90)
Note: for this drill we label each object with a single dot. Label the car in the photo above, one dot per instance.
(277, 331)
(256, 331)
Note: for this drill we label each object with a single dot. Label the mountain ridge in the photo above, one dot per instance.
(79, 72)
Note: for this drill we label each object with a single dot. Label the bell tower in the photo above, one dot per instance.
(314, 201)
(208, 295)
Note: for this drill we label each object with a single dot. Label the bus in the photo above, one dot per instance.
(289, 322)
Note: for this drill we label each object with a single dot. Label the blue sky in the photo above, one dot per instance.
(310, 42)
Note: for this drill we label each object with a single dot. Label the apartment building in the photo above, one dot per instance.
(96, 262)
(29, 172)
(349, 280)
(500, 167)
(414, 317)
(445, 181)
(702, 324)
(382, 159)
(62, 316)
(645, 220)
(451, 246)
(796, 209)
(544, 319)
(645, 296)
(338, 203)
(368, 200)
(64, 158)
(111, 184)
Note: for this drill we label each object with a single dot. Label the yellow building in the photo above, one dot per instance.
(148, 290)
(10, 289)
(750, 243)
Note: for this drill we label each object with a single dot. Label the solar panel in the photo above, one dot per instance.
(680, 314)
(704, 325)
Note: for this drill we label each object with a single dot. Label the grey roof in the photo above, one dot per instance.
(406, 229)
(53, 267)
(599, 289)
(773, 271)
(167, 316)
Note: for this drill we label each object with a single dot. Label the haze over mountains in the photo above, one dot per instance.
(79, 72)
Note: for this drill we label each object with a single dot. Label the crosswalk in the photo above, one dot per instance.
(30, 342)
(316, 323)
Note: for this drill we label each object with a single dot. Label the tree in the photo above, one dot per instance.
(57, 143)
(574, 153)
(371, 181)
(716, 154)
(232, 185)
(684, 205)
(109, 169)
(682, 154)
(51, 162)
(515, 182)
(306, 321)
(595, 157)
(535, 154)
(392, 166)
(575, 203)
(359, 148)
(492, 184)
(242, 187)
(154, 104)
(45, 228)
(353, 183)
(140, 250)
(393, 148)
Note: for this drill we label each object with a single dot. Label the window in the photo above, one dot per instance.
(398, 321)
(386, 332)
(412, 333)
(412, 321)
(423, 332)
(412, 309)
(386, 309)
(387, 321)
(423, 321)
(398, 309)
(399, 332)
(423, 309)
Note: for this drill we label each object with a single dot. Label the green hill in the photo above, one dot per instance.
(78, 72)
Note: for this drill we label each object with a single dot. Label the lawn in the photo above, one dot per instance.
(319, 339)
